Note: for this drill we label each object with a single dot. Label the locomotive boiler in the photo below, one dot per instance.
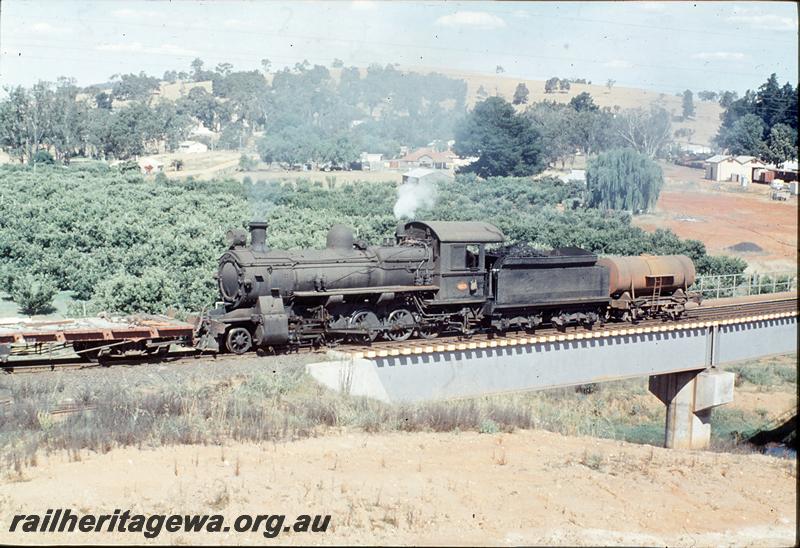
(435, 277)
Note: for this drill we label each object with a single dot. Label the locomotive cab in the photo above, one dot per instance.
(459, 251)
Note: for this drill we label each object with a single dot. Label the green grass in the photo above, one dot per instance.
(776, 371)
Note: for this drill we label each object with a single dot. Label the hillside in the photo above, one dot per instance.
(705, 124)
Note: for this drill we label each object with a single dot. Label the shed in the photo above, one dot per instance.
(420, 175)
(732, 168)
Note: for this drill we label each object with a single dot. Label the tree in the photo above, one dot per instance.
(266, 64)
(726, 98)
(26, 119)
(707, 95)
(610, 83)
(647, 131)
(746, 136)
(521, 94)
(583, 102)
(203, 106)
(103, 100)
(337, 63)
(688, 104)
(551, 85)
(504, 142)
(563, 85)
(499, 69)
(556, 125)
(33, 294)
(781, 144)
(224, 69)
(130, 87)
(481, 94)
(748, 121)
(623, 179)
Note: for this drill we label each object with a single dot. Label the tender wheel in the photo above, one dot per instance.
(239, 340)
(401, 324)
(366, 321)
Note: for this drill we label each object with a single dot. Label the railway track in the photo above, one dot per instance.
(717, 312)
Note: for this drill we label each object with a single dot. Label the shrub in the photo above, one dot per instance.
(43, 157)
(247, 163)
(33, 293)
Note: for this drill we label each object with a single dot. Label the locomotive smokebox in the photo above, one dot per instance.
(258, 235)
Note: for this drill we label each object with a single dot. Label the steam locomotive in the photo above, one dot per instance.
(436, 277)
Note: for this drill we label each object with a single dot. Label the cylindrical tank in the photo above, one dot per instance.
(639, 273)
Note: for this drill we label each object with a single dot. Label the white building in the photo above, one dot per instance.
(192, 147)
(732, 168)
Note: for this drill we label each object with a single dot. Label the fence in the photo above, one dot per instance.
(735, 285)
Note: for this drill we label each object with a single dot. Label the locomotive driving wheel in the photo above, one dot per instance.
(366, 321)
(239, 340)
(428, 332)
(401, 324)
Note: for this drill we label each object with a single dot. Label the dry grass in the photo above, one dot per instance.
(216, 405)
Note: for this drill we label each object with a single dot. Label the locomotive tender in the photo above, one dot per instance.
(437, 277)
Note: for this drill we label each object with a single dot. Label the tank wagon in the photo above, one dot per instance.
(435, 277)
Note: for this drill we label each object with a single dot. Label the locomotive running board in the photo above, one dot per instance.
(365, 290)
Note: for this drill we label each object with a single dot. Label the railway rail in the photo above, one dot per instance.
(735, 311)
(731, 310)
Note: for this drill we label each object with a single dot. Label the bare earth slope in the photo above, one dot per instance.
(530, 487)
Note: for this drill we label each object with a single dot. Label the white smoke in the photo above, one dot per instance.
(413, 196)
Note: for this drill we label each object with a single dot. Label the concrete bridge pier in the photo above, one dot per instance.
(689, 397)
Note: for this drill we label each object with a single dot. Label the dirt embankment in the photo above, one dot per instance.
(727, 219)
(529, 487)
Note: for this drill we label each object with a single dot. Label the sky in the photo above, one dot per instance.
(667, 46)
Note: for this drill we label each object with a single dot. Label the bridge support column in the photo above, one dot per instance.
(689, 397)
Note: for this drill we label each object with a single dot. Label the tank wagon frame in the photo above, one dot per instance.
(436, 277)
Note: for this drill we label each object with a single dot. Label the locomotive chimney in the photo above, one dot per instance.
(258, 235)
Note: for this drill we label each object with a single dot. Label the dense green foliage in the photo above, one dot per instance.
(623, 179)
(762, 123)
(107, 235)
(306, 113)
(504, 142)
(136, 246)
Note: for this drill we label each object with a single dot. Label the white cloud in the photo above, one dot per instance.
(138, 47)
(135, 14)
(46, 28)
(753, 18)
(720, 56)
(617, 63)
(473, 19)
(521, 14)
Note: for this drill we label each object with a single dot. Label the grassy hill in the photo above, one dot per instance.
(705, 124)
